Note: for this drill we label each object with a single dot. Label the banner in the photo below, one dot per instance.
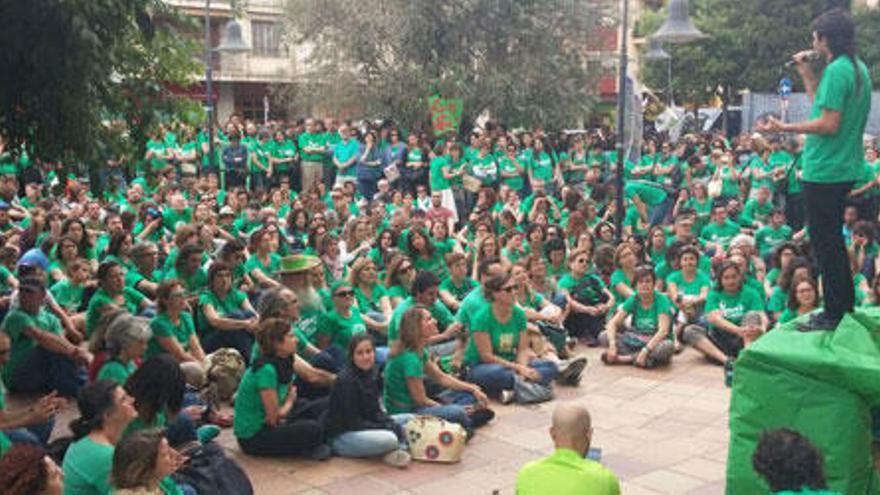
(445, 114)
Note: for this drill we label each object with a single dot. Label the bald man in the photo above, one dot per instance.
(566, 472)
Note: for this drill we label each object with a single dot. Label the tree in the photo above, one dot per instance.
(522, 60)
(72, 66)
(867, 33)
(749, 43)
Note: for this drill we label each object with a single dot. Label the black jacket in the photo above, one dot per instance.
(354, 403)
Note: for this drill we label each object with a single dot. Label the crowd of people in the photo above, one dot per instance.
(364, 273)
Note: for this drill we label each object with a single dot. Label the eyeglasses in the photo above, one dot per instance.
(178, 293)
(508, 288)
(582, 261)
(406, 268)
(344, 293)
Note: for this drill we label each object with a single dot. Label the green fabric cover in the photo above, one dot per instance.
(821, 384)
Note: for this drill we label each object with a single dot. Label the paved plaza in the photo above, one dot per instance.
(660, 431)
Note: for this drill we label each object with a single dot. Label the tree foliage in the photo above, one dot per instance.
(749, 43)
(71, 66)
(522, 60)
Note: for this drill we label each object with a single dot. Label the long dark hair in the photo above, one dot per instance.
(839, 30)
(158, 385)
(94, 401)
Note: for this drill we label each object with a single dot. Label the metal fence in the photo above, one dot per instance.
(756, 105)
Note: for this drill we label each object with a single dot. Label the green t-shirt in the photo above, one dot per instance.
(228, 305)
(250, 415)
(720, 234)
(192, 284)
(438, 181)
(269, 269)
(835, 157)
(734, 307)
(542, 166)
(767, 238)
(504, 336)
(692, 288)
(14, 325)
(398, 369)
(470, 306)
(87, 468)
(100, 299)
(372, 303)
(171, 219)
(645, 320)
(116, 371)
(587, 288)
(339, 329)
(566, 473)
(163, 327)
(438, 310)
(345, 151)
(506, 165)
(619, 277)
(459, 291)
(67, 294)
(307, 140)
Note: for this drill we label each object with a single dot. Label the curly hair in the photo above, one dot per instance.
(158, 385)
(22, 470)
(788, 461)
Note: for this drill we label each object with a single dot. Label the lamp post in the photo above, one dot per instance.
(656, 52)
(621, 110)
(232, 43)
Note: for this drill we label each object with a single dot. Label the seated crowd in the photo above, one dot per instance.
(338, 281)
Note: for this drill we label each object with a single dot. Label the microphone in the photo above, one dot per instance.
(806, 56)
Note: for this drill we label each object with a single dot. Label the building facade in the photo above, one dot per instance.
(241, 81)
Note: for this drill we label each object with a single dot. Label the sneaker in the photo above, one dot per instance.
(207, 433)
(397, 458)
(321, 452)
(728, 372)
(481, 416)
(570, 371)
(507, 396)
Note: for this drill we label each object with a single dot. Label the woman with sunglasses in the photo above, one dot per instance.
(585, 295)
(337, 326)
(399, 279)
(498, 349)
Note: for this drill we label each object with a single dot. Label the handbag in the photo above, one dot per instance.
(558, 336)
(225, 369)
(433, 439)
(526, 392)
(392, 173)
(210, 470)
(471, 183)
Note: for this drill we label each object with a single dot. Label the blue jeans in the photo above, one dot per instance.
(453, 408)
(44, 371)
(493, 378)
(370, 443)
(35, 434)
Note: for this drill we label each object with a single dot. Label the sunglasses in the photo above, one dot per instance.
(406, 268)
(344, 293)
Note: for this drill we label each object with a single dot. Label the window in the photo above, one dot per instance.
(266, 39)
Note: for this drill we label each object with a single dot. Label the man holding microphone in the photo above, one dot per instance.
(841, 101)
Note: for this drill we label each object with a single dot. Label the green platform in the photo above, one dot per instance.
(821, 384)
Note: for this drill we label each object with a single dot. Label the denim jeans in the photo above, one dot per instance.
(44, 371)
(370, 443)
(34, 434)
(452, 407)
(493, 378)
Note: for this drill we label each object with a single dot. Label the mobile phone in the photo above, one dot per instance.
(594, 455)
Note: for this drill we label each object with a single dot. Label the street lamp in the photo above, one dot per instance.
(678, 28)
(232, 42)
(656, 52)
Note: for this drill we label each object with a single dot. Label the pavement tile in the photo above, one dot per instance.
(667, 481)
(703, 469)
